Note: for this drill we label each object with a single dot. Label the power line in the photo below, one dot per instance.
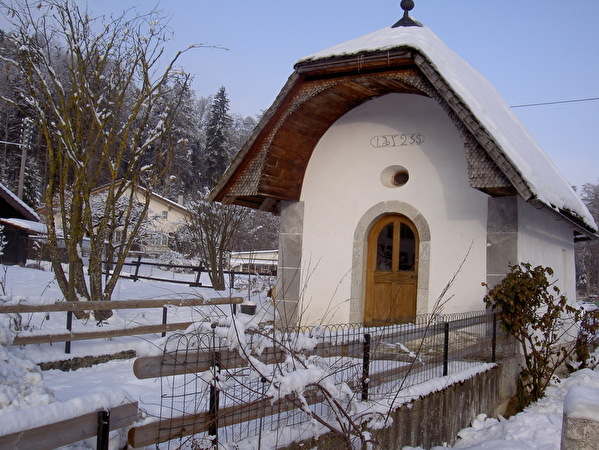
(559, 102)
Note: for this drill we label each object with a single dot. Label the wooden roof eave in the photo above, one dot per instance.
(357, 63)
(362, 64)
(321, 68)
(243, 157)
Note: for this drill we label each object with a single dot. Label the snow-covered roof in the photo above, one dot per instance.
(28, 225)
(160, 198)
(484, 101)
(18, 204)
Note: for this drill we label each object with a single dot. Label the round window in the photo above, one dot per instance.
(395, 176)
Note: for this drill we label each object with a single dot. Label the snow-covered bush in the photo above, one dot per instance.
(177, 259)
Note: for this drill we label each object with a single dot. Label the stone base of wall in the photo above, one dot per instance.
(77, 362)
(579, 434)
(437, 418)
(580, 429)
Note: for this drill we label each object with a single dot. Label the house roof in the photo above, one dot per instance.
(157, 197)
(503, 157)
(29, 226)
(15, 207)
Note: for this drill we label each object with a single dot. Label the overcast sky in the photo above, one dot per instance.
(532, 51)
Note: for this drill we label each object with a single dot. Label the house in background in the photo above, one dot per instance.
(254, 261)
(164, 219)
(20, 222)
(396, 166)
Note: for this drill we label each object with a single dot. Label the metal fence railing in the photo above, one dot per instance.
(139, 269)
(221, 385)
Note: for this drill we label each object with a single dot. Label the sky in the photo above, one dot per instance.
(532, 51)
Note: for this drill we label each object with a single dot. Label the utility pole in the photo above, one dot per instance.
(25, 144)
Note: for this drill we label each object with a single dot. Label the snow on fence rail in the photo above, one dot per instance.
(71, 307)
(215, 389)
(61, 423)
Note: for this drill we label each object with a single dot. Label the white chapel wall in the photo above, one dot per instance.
(342, 182)
(545, 238)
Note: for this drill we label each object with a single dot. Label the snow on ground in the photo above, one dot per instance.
(537, 427)
(33, 286)
(22, 385)
(29, 396)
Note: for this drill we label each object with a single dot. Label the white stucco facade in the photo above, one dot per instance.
(343, 183)
(335, 172)
(544, 238)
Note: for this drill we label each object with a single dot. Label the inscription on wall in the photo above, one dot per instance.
(397, 140)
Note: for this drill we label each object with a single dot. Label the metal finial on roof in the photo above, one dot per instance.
(406, 20)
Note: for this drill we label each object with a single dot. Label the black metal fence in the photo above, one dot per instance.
(138, 269)
(228, 385)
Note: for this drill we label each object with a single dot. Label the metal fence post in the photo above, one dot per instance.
(67, 344)
(164, 316)
(137, 265)
(366, 367)
(103, 430)
(494, 339)
(199, 270)
(263, 380)
(446, 348)
(214, 392)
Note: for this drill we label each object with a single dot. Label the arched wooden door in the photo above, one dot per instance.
(392, 271)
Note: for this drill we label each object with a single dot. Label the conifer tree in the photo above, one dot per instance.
(217, 153)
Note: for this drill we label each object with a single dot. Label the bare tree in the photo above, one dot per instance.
(210, 233)
(98, 88)
(587, 252)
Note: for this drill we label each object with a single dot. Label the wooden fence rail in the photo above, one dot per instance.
(481, 348)
(65, 432)
(70, 307)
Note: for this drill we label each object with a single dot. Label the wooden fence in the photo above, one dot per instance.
(57, 434)
(71, 307)
(456, 342)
